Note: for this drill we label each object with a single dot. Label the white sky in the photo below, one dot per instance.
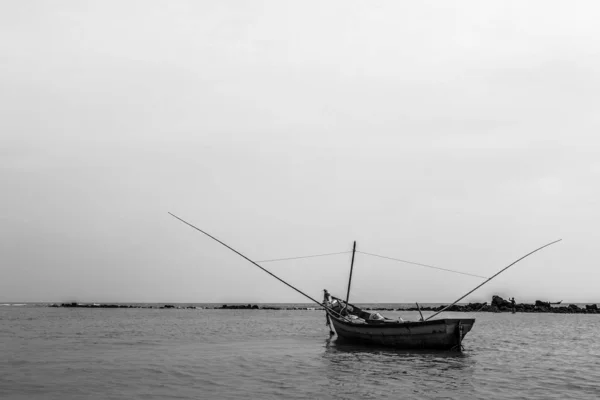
(457, 134)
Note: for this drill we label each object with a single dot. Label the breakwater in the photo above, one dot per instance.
(498, 304)
(182, 307)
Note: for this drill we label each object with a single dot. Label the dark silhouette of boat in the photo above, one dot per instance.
(356, 325)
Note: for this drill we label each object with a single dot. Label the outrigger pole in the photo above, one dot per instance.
(489, 279)
(247, 259)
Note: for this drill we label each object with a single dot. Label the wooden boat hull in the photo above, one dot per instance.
(440, 334)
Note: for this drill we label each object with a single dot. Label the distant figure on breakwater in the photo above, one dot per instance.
(512, 302)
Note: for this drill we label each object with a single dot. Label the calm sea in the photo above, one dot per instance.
(58, 353)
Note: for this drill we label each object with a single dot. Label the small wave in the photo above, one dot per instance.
(10, 304)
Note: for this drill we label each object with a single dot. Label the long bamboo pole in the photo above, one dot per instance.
(489, 279)
(246, 258)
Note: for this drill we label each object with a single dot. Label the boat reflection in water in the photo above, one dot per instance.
(337, 349)
(358, 371)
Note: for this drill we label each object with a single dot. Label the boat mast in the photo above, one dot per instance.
(351, 267)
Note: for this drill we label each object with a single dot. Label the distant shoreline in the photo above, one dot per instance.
(498, 305)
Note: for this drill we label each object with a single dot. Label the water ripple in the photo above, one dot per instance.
(145, 354)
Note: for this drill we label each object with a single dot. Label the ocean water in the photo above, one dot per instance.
(59, 353)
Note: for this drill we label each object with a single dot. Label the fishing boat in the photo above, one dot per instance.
(351, 323)
(355, 324)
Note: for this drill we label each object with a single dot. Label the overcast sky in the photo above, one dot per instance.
(457, 134)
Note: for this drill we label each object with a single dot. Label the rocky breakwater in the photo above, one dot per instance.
(238, 307)
(180, 307)
(97, 305)
(256, 307)
(499, 304)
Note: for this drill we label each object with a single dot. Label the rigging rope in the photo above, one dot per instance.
(297, 258)
(373, 255)
(421, 265)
